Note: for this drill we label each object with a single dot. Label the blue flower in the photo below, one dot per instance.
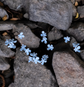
(11, 45)
(43, 34)
(44, 59)
(36, 60)
(50, 47)
(30, 59)
(27, 51)
(44, 39)
(23, 47)
(21, 35)
(76, 47)
(7, 42)
(34, 55)
(66, 39)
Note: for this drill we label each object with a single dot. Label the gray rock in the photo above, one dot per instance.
(73, 1)
(30, 40)
(82, 54)
(5, 51)
(14, 4)
(3, 64)
(81, 11)
(26, 15)
(57, 13)
(74, 11)
(68, 69)
(72, 41)
(77, 31)
(4, 27)
(30, 74)
(54, 34)
(3, 13)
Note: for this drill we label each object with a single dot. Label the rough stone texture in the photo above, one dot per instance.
(13, 4)
(30, 40)
(54, 34)
(4, 50)
(74, 11)
(81, 11)
(77, 31)
(68, 69)
(3, 64)
(4, 27)
(30, 74)
(73, 1)
(57, 13)
(82, 54)
(72, 41)
(3, 13)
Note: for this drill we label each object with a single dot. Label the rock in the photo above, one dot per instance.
(73, 1)
(57, 13)
(54, 34)
(82, 1)
(74, 11)
(81, 11)
(26, 15)
(14, 4)
(3, 13)
(30, 74)
(72, 41)
(30, 40)
(68, 69)
(3, 64)
(77, 31)
(4, 27)
(5, 51)
(82, 54)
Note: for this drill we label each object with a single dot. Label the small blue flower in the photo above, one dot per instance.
(7, 42)
(76, 47)
(11, 45)
(75, 44)
(30, 59)
(36, 60)
(66, 39)
(43, 34)
(50, 47)
(34, 55)
(27, 51)
(23, 47)
(44, 39)
(44, 59)
(21, 35)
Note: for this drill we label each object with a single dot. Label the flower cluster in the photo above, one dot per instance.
(10, 43)
(75, 45)
(33, 56)
(44, 39)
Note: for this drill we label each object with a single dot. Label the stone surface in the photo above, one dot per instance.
(77, 31)
(68, 69)
(74, 11)
(4, 50)
(30, 74)
(54, 34)
(57, 13)
(81, 11)
(13, 4)
(82, 54)
(3, 13)
(3, 64)
(72, 41)
(30, 40)
(4, 27)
